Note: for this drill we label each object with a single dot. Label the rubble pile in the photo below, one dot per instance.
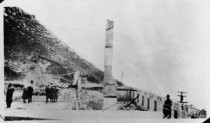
(92, 100)
(67, 95)
(88, 100)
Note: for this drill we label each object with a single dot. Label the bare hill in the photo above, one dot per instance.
(33, 52)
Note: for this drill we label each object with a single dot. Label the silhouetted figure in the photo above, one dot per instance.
(25, 95)
(55, 90)
(9, 95)
(30, 93)
(47, 92)
(51, 93)
(167, 107)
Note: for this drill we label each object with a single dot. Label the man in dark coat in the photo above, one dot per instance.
(47, 92)
(167, 107)
(55, 93)
(51, 94)
(9, 95)
(30, 93)
(25, 95)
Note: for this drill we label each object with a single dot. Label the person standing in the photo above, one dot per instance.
(55, 94)
(30, 93)
(9, 95)
(25, 95)
(51, 92)
(47, 92)
(167, 107)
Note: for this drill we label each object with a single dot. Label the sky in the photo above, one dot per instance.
(161, 46)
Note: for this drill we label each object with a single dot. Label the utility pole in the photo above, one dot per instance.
(122, 76)
(182, 96)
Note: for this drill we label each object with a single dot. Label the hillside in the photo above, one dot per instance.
(33, 52)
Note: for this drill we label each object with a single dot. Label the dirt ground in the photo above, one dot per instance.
(61, 112)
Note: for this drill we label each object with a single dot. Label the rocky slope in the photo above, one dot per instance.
(31, 52)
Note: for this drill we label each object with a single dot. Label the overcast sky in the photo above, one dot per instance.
(160, 45)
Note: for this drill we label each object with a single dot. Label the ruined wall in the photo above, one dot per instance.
(123, 95)
(151, 102)
(88, 100)
(148, 101)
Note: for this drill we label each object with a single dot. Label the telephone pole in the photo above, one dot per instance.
(122, 76)
(182, 96)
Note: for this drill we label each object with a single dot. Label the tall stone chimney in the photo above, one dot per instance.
(109, 88)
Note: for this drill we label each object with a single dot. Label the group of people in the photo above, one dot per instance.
(27, 94)
(51, 93)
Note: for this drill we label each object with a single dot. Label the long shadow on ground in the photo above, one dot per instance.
(14, 118)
